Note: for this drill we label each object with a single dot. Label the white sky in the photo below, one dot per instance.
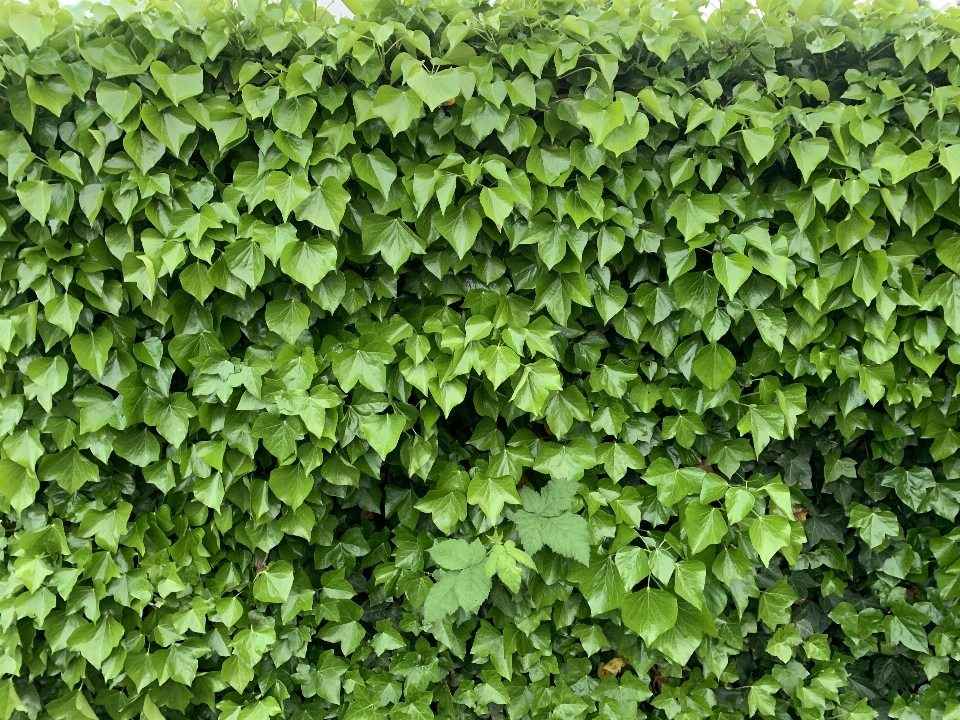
(337, 8)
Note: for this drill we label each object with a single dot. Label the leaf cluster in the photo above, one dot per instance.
(538, 359)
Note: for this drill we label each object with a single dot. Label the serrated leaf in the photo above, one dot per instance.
(546, 520)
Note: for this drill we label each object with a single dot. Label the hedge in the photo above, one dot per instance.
(546, 360)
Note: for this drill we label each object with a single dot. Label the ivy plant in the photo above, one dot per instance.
(527, 360)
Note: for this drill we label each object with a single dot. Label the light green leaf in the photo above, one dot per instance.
(106, 527)
(118, 101)
(600, 120)
(69, 469)
(35, 196)
(650, 613)
(565, 462)
(714, 365)
(293, 115)
(497, 203)
(499, 363)
(899, 164)
(491, 494)
(776, 603)
(375, 169)
(689, 578)
(759, 142)
(325, 205)
(459, 226)
(536, 382)
(18, 485)
(763, 422)
(170, 416)
(287, 318)
(732, 271)
(871, 271)
(435, 88)
(704, 525)
(245, 259)
(308, 262)
(465, 589)
(391, 238)
(673, 483)
(53, 94)
(172, 126)
(693, 214)
(33, 28)
(808, 154)
(546, 519)
(291, 484)
(398, 108)
(274, 583)
(287, 191)
(178, 86)
(96, 640)
(950, 159)
(769, 534)
(383, 432)
(63, 311)
(876, 527)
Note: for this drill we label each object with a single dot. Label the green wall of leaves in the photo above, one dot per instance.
(536, 360)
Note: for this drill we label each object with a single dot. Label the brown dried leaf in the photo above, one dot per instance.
(613, 666)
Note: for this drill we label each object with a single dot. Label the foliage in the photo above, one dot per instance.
(525, 360)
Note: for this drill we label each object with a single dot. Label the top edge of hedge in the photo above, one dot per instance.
(38, 21)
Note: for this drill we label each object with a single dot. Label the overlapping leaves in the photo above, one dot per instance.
(560, 360)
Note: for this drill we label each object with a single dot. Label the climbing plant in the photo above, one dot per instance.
(517, 360)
